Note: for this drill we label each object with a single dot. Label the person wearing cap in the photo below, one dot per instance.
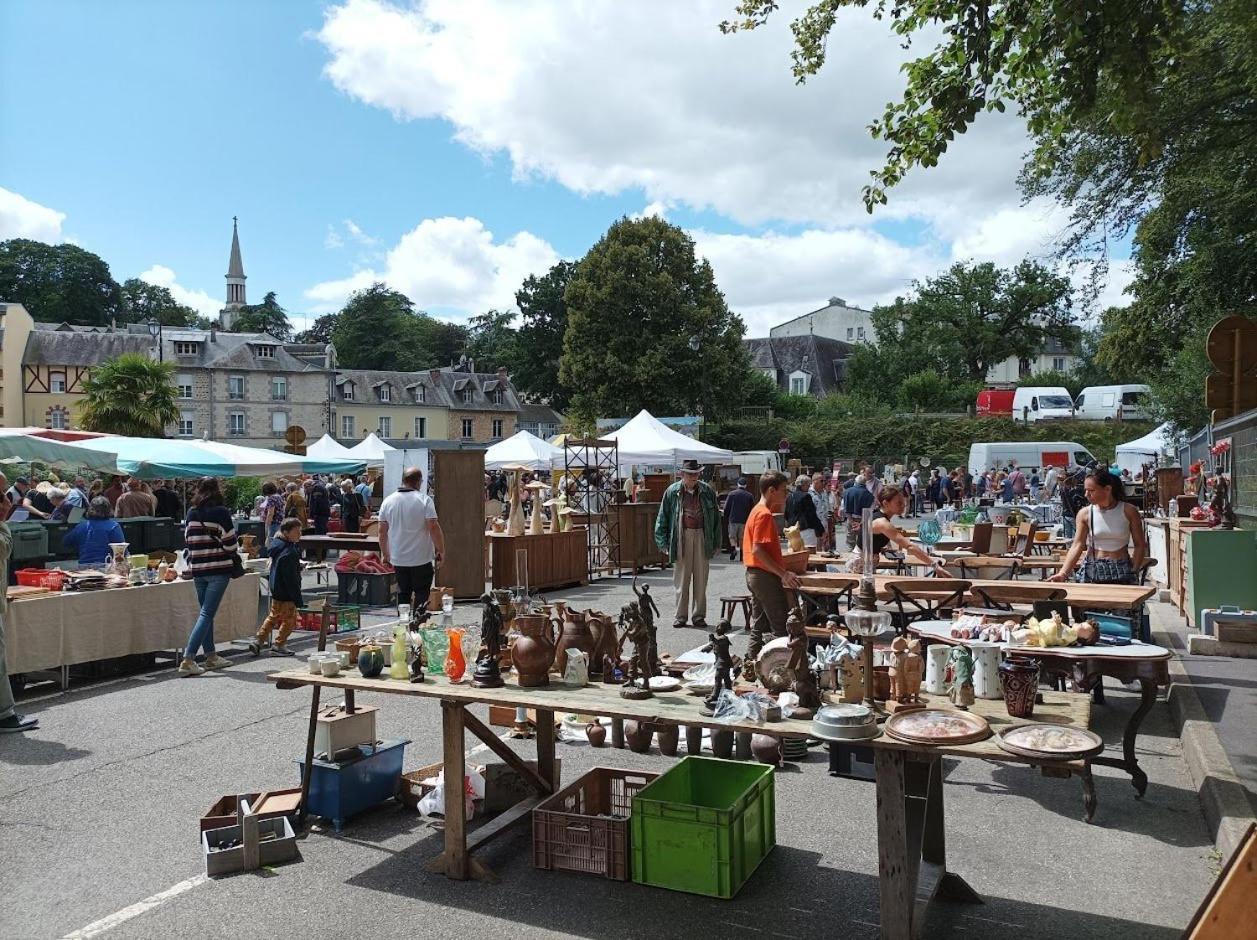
(801, 511)
(688, 529)
(738, 506)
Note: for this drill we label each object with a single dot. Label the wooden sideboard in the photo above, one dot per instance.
(558, 559)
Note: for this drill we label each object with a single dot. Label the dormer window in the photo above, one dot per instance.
(386, 393)
(265, 352)
(421, 394)
(183, 348)
(347, 391)
(498, 396)
(465, 396)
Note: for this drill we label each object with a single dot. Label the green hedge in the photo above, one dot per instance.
(945, 441)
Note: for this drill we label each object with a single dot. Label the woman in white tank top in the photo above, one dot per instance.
(1109, 539)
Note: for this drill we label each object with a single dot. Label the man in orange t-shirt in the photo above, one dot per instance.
(766, 574)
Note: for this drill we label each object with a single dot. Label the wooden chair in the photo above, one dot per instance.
(1025, 539)
(1002, 597)
(731, 604)
(980, 543)
(1141, 573)
(925, 599)
(994, 569)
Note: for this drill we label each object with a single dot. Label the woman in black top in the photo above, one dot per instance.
(891, 502)
(211, 541)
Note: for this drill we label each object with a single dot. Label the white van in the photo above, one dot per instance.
(756, 461)
(1028, 455)
(1110, 402)
(1042, 403)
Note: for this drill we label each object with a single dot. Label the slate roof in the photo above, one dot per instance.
(235, 267)
(233, 351)
(479, 383)
(75, 347)
(368, 381)
(822, 358)
(539, 414)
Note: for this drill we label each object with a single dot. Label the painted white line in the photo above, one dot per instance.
(99, 927)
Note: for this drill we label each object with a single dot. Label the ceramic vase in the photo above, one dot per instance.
(693, 739)
(1021, 685)
(668, 736)
(596, 734)
(722, 744)
(767, 749)
(455, 662)
(638, 735)
(574, 634)
(370, 661)
(515, 518)
(985, 669)
(936, 668)
(532, 653)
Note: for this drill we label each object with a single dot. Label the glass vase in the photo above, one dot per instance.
(455, 662)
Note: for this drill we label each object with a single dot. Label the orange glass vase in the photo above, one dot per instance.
(455, 662)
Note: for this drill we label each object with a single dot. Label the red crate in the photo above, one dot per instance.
(41, 577)
(569, 835)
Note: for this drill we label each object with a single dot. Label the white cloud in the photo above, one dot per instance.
(22, 218)
(613, 97)
(448, 263)
(198, 300)
(1008, 235)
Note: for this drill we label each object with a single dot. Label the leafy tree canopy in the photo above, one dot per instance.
(543, 323)
(648, 328)
(132, 395)
(267, 317)
(379, 328)
(492, 342)
(1048, 58)
(58, 283)
(142, 301)
(320, 330)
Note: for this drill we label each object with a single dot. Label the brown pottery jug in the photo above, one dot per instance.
(533, 651)
(574, 634)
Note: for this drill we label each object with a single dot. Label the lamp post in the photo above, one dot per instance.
(154, 330)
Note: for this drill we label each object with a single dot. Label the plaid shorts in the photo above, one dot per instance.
(1105, 571)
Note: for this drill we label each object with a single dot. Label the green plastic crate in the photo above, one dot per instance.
(704, 826)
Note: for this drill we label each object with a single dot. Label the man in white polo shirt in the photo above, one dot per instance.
(411, 539)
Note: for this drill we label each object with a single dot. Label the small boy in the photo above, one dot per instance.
(285, 580)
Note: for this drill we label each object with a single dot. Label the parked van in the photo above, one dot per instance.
(1028, 455)
(1113, 402)
(1042, 403)
(995, 401)
(756, 461)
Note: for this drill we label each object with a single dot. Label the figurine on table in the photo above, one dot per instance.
(418, 614)
(488, 673)
(637, 675)
(905, 671)
(418, 660)
(649, 611)
(960, 676)
(805, 685)
(721, 646)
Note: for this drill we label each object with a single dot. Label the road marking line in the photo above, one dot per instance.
(99, 927)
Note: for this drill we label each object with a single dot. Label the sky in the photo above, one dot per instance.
(454, 147)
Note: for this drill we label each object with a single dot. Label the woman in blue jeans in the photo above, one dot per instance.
(211, 541)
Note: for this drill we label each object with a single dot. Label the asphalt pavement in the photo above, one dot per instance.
(99, 809)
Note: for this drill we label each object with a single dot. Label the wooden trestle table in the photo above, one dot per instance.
(912, 857)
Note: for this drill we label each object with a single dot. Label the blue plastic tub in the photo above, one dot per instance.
(338, 791)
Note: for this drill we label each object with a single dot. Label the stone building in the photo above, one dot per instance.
(392, 405)
(483, 406)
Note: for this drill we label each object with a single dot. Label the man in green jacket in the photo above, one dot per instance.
(688, 529)
(10, 720)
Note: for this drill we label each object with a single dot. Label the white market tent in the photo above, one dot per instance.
(328, 448)
(371, 450)
(647, 440)
(1154, 447)
(523, 449)
(152, 458)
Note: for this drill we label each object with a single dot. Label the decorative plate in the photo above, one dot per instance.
(704, 672)
(664, 683)
(937, 726)
(1047, 740)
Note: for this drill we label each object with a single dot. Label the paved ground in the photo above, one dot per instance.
(98, 813)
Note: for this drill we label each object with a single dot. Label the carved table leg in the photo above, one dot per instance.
(1138, 779)
(1088, 791)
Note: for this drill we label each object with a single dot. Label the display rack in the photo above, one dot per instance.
(592, 465)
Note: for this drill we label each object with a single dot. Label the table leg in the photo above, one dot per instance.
(455, 861)
(545, 748)
(912, 851)
(307, 771)
(1088, 791)
(1138, 779)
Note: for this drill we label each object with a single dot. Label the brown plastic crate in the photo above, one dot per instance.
(585, 826)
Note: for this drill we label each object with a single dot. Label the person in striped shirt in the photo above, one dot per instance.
(211, 540)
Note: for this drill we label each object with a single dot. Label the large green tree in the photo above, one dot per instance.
(379, 328)
(320, 331)
(1047, 58)
(267, 317)
(132, 395)
(492, 341)
(58, 282)
(142, 301)
(648, 328)
(543, 324)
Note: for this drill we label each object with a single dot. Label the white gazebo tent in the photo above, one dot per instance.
(1155, 447)
(523, 449)
(647, 440)
(372, 450)
(329, 448)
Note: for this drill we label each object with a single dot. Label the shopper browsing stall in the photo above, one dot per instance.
(766, 574)
(92, 536)
(211, 541)
(1109, 538)
(801, 511)
(738, 506)
(688, 529)
(411, 539)
(891, 503)
(135, 501)
(285, 582)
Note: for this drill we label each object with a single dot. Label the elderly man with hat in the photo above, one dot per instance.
(688, 529)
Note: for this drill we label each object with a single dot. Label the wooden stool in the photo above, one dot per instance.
(729, 606)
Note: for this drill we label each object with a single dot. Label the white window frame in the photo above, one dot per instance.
(265, 352)
(347, 427)
(499, 397)
(1058, 363)
(52, 381)
(186, 424)
(236, 428)
(799, 382)
(384, 426)
(185, 348)
(469, 429)
(347, 391)
(466, 396)
(421, 394)
(279, 388)
(182, 383)
(59, 419)
(850, 333)
(859, 332)
(421, 428)
(279, 415)
(497, 427)
(386, 394)
(232, 380)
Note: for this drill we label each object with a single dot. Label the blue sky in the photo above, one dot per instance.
(453, 148)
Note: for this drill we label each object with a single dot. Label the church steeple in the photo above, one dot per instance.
(235, 280)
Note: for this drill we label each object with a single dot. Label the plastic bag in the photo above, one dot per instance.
(733, 708)
(473, 789)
